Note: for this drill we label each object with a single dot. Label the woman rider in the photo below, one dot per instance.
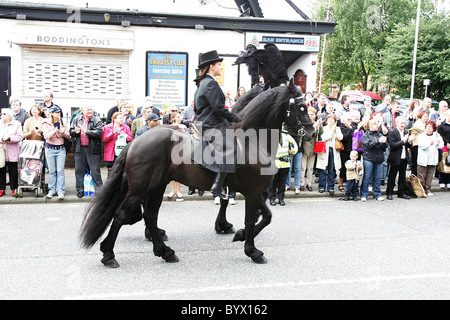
(210, 113)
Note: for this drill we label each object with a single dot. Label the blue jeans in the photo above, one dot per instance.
(56, 160)
(326, 175)
(372, 171)
(296, 163)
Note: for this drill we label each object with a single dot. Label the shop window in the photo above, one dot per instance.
(74, 73)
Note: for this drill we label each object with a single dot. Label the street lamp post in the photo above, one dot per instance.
(415, 49)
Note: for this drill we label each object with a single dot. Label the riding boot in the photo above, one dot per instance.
(217, 187)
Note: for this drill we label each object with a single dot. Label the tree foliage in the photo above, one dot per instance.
(432, 61)
(364, 31)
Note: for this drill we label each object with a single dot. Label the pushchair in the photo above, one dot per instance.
(31, 167)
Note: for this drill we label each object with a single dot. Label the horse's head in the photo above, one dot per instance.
(296, 118)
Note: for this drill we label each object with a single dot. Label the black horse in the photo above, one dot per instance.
(140, 176)
(305, 131)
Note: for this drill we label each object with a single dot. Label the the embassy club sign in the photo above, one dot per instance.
(284, 42)
(166, 79)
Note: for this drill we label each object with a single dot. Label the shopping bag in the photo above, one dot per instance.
(88, 184)
(416, 186)
(357, 141)
(120, 144)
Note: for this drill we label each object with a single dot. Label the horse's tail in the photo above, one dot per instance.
(100, 211)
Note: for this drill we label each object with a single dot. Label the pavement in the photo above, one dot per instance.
(71, 194)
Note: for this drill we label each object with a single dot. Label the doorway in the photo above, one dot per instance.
(5, 81)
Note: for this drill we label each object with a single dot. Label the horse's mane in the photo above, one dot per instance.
(242, 102)
(266, 105)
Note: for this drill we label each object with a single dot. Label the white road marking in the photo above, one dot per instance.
(259, 286)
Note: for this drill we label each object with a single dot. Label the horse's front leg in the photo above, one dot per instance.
(252, 203)
(266, 214)
(222, 226)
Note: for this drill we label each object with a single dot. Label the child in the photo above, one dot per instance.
(354, 170)
(286, 147)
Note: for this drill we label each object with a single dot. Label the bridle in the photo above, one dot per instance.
(296, 102)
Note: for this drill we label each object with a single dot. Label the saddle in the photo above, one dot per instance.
(198, 136)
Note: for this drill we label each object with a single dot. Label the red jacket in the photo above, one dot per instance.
(109, 138)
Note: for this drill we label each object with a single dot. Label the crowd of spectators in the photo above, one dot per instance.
(366, 146)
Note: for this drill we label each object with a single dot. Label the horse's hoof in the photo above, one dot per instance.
(110, 263)
(260, 260)
(229, 230)
(239, 236)
(172, 259)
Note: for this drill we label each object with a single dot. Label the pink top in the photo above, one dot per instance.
(109, 138)
(54, 136)
(84, 139)
(13, 130)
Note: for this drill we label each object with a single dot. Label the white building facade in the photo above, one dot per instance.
(98, 59)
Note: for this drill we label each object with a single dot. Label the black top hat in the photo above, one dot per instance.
(208, 58)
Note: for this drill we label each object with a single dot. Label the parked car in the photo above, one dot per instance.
(405, 102)
(358, 96)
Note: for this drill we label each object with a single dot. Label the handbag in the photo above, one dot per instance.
(320, 146)
(416, 186)
(338, 145)
(442, 165)
(447, 160)
(67, 144)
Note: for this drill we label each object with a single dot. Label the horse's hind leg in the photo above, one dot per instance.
(107, 245)
(151, 210)
(147, 233)
(222, 226)
(124, 215)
